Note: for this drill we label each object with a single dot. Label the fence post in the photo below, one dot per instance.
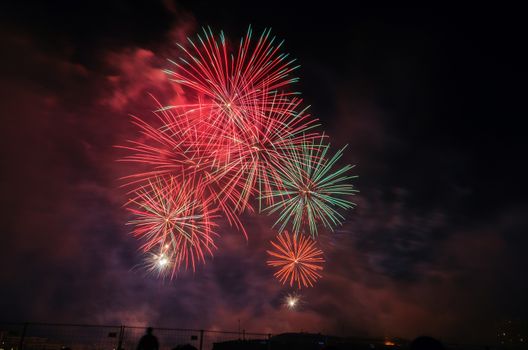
(243, 334)
(201, 339)
(120, 339)
(22, 336)
(269, 341)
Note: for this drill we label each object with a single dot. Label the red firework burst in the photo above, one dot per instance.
(177, 144)
(175, 222)
(231, 82)
(171, 144)
(257, 152)
(297, 258)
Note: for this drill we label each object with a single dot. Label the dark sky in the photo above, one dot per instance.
(426, 99)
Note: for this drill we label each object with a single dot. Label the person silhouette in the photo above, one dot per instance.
(148, 341)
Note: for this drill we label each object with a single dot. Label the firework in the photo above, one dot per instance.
(291, 301)
(231, 84)
(261, 148)
(234, 159)
(175, 224)
(311, 191)
(176, 145)
(171, 144)
(297, 258)
(241, 136)
(157, 264)
(247, 113)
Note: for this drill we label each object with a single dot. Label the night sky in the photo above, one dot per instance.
(425, 98)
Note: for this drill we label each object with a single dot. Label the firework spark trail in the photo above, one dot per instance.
(178, 145)
(180, 148)
(311, 190)
(233, 82)
(297, 258)
(175, 222)
(172, 144)
(258, 150)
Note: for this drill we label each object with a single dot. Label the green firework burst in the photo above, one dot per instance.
(312, 191)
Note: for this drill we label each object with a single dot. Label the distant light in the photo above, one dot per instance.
(389, 343)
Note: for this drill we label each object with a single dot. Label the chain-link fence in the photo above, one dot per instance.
(46, 336)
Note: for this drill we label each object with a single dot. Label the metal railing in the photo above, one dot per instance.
(55, 336)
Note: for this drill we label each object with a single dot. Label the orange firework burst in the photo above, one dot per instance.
(298, 259)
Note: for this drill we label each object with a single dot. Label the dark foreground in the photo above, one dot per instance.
(46, 336)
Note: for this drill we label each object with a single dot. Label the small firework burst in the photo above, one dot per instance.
(292, 301)
(157, 264)
(297, 258)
